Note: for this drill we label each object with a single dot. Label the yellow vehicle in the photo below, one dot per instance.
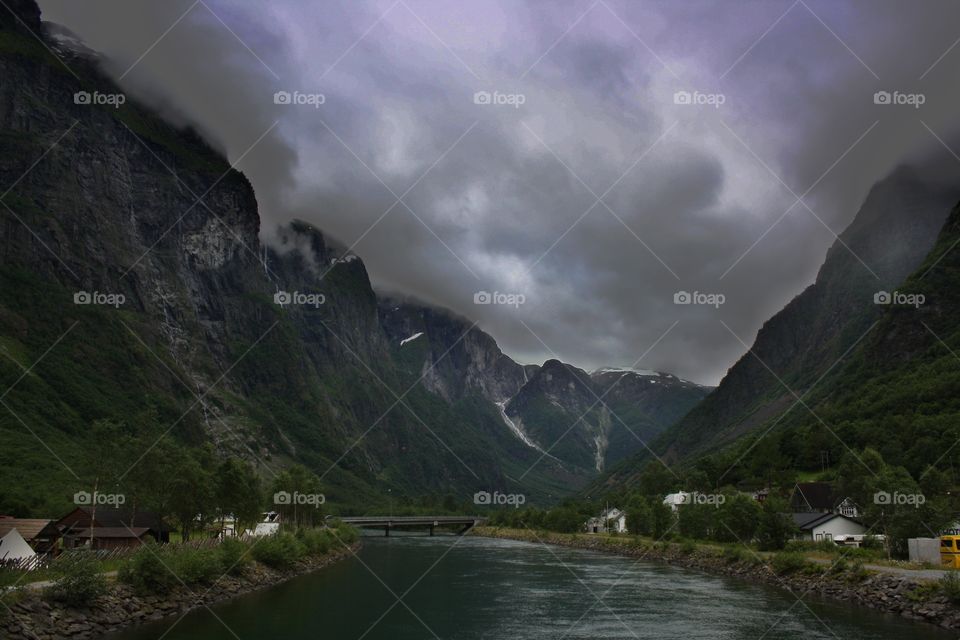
(950, 551)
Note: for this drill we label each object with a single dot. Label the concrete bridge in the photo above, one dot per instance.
(461, 524)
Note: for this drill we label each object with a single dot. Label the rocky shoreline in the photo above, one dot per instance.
(909, 598)
(33, 617)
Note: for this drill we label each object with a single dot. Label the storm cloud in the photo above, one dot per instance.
(595, 157)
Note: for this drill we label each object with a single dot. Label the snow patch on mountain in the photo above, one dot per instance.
(413, 337)
(639, 372)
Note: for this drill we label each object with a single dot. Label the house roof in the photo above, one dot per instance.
(816, 495)
(113, 517)
(113, 532)
(29, 528)
(807, 521)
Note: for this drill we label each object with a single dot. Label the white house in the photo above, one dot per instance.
(674, 500)
(616, 520)
(610, 520)
(14, 547)
(826, 526)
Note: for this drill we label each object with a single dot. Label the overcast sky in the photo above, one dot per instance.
(587, 185)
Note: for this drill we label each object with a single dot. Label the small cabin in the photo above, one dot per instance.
(42, 535)
(109, 528)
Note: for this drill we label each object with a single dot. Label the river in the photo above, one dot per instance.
(473, 588)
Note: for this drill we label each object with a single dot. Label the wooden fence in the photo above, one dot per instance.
(68, 556)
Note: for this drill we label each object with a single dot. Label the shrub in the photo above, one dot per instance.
(734, 555)
(346, 534)
(857, 572)
(279, 551)
(823, 546)
(146, 572)
(194, 566)
(950, 586)
(871, 542)
(840, 566)
(316, 542)
(688, 547)
(79, 583)
(234, 556)
(789, 562)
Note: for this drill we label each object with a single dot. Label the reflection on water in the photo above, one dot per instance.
(471, 588)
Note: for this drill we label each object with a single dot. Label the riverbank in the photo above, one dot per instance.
(910, 598)
(33, 617)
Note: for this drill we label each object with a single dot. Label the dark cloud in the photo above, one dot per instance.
(512, 206)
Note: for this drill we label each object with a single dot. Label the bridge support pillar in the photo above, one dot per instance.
(386, 531)
(431, 530)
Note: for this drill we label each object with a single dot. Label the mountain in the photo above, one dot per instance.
(803, 345)
(107, 202)
(135, 291)
(897, 392)
(453, 356)
(593, 420)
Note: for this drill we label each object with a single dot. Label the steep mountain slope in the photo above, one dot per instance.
(644, 404)
(593, 420)
(892, 234)
(898, 392)
(454, 358)
(106, 199)
(134, 289)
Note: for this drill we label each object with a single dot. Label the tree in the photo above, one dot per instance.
(661, 517)
(656, 480)
(894, 504)
(737, 519)
(102, 461)
(297, 496)
(192, 491)
(564, 519)
(695, 520)
(639, 516)
(775, 526)
(238, 492)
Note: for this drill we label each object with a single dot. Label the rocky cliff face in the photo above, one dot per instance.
(108, 201)
(594, 420)
(134, 288)
(896, 227)
(452, 355)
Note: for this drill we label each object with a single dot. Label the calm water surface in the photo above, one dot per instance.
(469, 588)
